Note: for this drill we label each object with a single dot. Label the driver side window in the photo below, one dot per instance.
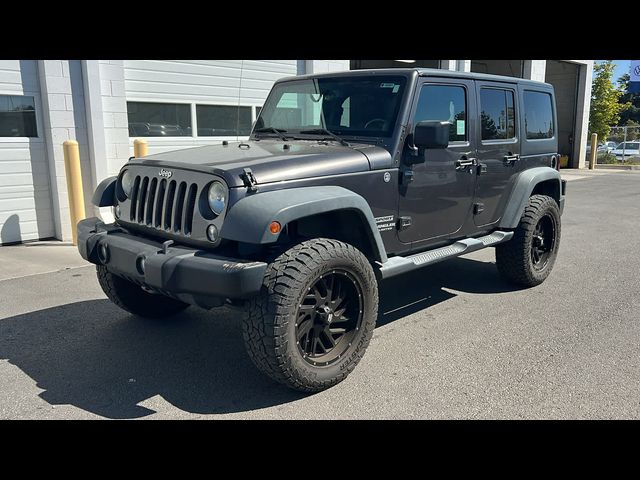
(446, 103)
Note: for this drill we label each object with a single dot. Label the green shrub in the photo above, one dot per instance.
(606, 159)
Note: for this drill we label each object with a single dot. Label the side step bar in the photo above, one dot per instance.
(398, 265)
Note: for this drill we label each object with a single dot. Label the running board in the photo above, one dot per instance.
(397, 265)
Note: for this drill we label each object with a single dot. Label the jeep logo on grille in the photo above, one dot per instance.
(165, 173)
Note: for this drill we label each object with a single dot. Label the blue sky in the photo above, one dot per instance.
(622, 67)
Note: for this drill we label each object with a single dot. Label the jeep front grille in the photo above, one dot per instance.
(163, 204)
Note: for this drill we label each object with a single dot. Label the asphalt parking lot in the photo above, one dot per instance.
(455, 341)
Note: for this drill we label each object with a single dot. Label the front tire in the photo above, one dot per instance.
(315, 316)
(133, 299)
(528, 258)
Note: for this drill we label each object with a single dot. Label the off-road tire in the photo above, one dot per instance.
(513, 258)
(268, 327)
(133, 299)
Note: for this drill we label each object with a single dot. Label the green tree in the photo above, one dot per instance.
(633, 132)
(605, 105)
(630, 115)
(489, 129)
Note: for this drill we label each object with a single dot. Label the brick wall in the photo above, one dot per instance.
(325, 66)
(114, 112)
(535, 69)
(62, 93)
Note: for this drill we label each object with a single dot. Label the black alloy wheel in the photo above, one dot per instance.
(543, 243)
(328, 318)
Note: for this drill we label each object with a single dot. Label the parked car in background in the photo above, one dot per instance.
(602, 147)
(142, 129)
(628, 149)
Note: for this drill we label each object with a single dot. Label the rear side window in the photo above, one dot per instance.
(497, 116)
(538, 115)
(446, 103)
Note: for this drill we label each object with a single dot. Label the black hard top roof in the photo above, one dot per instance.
(423, 72)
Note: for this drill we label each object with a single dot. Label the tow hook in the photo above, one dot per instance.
(165, 247)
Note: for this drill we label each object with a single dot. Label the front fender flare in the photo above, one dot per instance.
(524, 185)
(105, 194)
(248, 220)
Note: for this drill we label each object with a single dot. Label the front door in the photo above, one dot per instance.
(498, 150)
(438, 199)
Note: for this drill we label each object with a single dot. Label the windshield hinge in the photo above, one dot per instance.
(249, 180)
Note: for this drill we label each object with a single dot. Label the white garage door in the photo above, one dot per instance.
(186, 103)
(25, 196)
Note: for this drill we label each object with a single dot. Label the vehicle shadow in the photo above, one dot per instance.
(409, 293)
(98, 358)
(103, 360)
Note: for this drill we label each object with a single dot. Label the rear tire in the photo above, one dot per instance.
(528, 258)
(315, 316)
(133, 299)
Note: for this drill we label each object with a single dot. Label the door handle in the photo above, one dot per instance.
(511, 159)
(463, 162)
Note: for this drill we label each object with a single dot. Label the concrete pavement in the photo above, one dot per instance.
(454, 341)
(37, 258)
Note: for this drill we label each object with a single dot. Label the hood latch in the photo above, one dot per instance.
(249, 180)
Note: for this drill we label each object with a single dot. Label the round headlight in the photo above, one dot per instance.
(126, 182)
(217, 197)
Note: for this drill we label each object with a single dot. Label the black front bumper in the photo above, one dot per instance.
(191, 275)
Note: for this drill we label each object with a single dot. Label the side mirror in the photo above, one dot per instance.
(431, 134)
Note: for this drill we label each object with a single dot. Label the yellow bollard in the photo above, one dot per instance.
(74, 185)
(140, 148)
(594, 151)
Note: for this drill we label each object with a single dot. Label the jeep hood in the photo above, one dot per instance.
(270, 161)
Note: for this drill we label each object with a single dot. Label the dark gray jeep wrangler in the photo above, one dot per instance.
(346, 178)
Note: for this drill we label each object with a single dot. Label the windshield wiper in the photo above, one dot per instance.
(324, 131)
(277, 131)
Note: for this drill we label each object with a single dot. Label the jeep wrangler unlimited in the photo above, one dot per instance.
(346, 178)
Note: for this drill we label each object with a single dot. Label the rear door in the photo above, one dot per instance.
(498, 149)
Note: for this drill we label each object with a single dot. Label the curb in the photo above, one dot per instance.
(618, 167)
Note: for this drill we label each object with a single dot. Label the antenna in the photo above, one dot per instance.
(238, 109)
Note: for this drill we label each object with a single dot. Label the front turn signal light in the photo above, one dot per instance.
(275, 227)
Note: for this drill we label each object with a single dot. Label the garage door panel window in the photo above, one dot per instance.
(223, 120)
(497, 116)
(152, 119)
(18, 116)
(158, 119)
(538, 115)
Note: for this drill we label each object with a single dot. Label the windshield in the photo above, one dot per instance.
(346, 106)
